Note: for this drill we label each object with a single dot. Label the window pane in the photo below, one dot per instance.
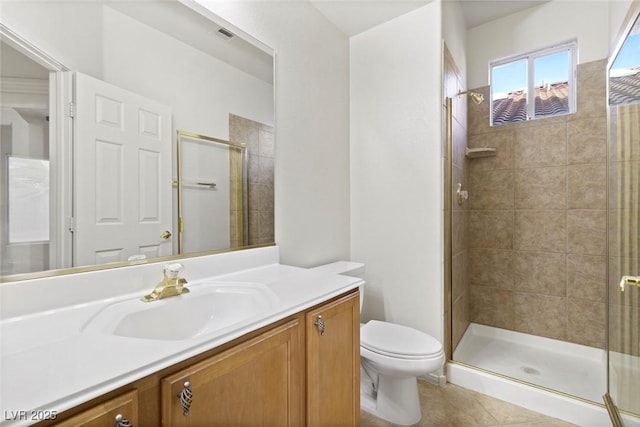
(624, 76)
(28, 200)
(509, 92)
(551, 84)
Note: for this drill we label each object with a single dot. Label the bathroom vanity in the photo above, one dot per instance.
(257, 379)
(295, 361)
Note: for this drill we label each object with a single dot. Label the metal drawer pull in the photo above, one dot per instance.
(122, 421)
(186, 397)
(629, 280)
(320, 325)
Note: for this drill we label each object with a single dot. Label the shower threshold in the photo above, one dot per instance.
(565, 367)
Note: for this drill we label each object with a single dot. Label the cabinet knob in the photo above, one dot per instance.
(186, 397)
(122, 421)
(320, 325)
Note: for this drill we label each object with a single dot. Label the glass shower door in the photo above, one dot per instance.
(624, 228)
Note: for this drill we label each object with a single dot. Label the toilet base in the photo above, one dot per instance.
(396, 400)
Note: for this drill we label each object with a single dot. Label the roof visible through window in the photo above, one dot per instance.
(624, 75)
(534, 85)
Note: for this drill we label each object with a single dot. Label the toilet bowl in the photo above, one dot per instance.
(392, 357)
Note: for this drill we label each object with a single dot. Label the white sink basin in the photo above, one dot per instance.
(209, 307)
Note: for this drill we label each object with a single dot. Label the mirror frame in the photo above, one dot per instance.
(43, 58)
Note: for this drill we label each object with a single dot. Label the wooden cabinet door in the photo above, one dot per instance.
(333, 363)
(257, 383)
(104, 414)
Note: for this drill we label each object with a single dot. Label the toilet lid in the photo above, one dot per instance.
(390, 338)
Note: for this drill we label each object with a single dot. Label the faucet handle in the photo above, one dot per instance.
(172, 271)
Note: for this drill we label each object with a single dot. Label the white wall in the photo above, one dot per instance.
(311, 126)
(538, 27)
(396, 177)
(76, 43)
(454, 33)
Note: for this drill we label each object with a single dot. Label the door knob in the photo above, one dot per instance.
(165, 234)
(629, 280)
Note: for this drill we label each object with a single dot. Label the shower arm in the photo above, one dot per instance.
(478, 98)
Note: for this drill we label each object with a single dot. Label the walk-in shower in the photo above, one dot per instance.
(537, 250)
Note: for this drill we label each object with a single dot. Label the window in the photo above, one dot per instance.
(28, 200)
(533, 85)
(624, 74)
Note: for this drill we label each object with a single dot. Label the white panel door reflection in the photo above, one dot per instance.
(122, 179)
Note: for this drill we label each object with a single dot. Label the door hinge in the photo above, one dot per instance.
(72, 109)
(71, 224)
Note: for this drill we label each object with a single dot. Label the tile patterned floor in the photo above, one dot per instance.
(454, 406)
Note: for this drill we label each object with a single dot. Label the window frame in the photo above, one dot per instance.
(531, 56)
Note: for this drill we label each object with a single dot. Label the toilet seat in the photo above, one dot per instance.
(398, 341)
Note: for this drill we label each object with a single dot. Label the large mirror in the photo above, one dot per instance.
(95, 97)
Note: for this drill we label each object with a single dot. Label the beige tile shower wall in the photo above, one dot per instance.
(460, 220)
(259, 140)
(537, 219)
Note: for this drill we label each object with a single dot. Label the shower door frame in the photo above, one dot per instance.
(631, 20)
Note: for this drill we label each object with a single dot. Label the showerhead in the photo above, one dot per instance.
(478, 98)
(475, 97)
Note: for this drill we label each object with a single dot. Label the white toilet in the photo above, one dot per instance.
(391, 359)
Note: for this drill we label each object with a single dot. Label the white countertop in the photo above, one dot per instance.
(49, 363)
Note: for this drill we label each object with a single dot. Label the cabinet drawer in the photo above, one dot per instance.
(104, 414)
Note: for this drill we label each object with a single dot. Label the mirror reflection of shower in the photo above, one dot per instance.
(478, 98)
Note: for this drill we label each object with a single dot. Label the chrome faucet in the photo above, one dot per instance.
(171, 284)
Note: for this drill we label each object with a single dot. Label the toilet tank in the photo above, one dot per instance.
(347, 268)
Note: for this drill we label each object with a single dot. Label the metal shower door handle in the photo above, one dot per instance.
(629, 280)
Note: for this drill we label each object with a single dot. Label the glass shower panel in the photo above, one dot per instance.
(624, 227)
(624, 263)
(212, 188)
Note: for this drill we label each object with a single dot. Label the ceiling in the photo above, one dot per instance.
(478, 12)
(355, 16)
(184, 23)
